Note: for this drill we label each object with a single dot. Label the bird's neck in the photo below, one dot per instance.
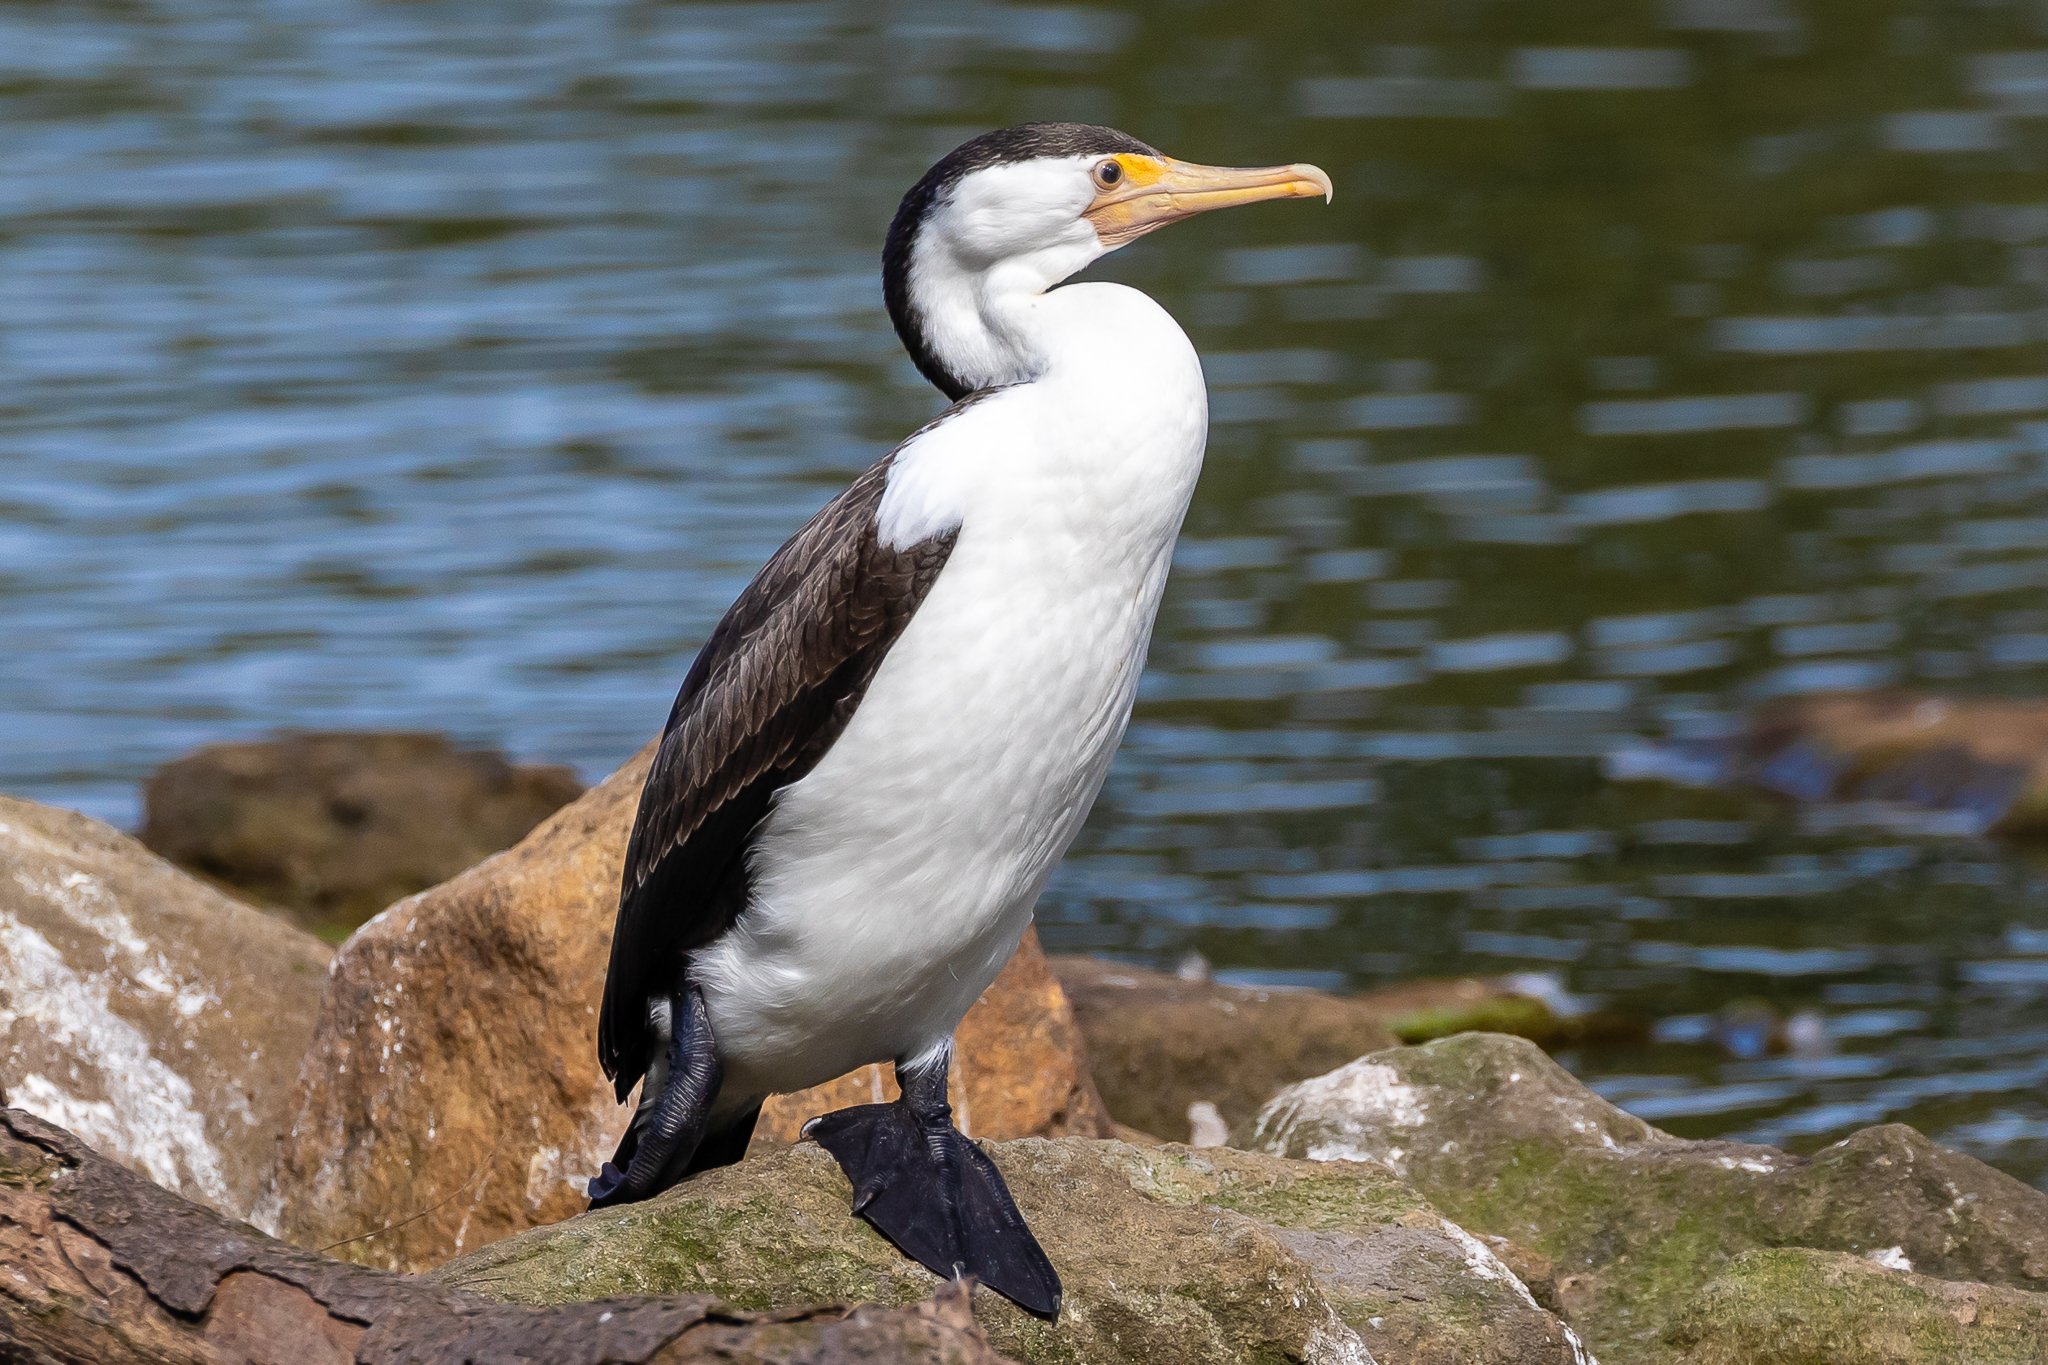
(971, 325)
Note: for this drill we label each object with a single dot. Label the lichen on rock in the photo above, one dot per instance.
(1798, 1307)
(1168, 1254)
(1506, 1142)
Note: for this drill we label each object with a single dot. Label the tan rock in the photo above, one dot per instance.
(452, 1096)
(155, 1017)
(1983, 753)
(1158, 1044)
(338, 826)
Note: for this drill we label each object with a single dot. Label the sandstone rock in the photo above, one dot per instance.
(1987, 756)
(1507, 1143)
(1168, 1254)
(1158, 1044)
(340, 825)
(452, 1095)
(158, 1019)
(1829, 1308)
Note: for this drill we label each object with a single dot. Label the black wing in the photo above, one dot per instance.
(768, 694)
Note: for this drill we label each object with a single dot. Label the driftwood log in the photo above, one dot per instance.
(98, 1266)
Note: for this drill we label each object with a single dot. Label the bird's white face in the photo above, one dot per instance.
(1046, 218)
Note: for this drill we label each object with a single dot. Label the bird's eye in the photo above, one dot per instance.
(1108, 173)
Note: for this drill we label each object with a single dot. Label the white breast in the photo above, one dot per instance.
(892, 882)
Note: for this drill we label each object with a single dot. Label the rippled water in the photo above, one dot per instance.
(450, 366)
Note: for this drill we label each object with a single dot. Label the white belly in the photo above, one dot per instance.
(893, 881)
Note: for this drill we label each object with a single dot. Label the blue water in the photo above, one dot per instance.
(450, 367)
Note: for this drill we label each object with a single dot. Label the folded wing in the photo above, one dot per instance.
(768, 694)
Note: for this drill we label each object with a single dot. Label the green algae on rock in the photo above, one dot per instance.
(1799, 1307)
(1505, 1142)
(1169, 1254)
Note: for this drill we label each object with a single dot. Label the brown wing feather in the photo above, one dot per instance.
(768, 694)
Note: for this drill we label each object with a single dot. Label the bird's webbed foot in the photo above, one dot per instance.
(675, 1104)
(926, 1187)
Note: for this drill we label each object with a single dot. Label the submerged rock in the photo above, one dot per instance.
(1979, 764)
(340, 825)
(156, 1018)
(1830, 1308)
(1159, 1044)
(1507, 1143)
(452, 1096)
(1168, 1255)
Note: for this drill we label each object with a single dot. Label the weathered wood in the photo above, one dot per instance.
(100, 1267)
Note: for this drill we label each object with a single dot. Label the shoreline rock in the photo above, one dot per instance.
(1505, 1142)
(1168, 1255)
(1159, 1044)
(104, 1266)
(337, 826)
(157, 1018)
(1173, 1054)
(1827, 1306)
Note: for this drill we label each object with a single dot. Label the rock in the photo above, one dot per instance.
(103, 1266)
(1984, 756)
(1020, 1067)
(1159, 1043)
(1830, 1308)
(1168, 1255)
(338, 826)
(1164, 1044)
(452, 1097)
(158, 1019)
(1417, 1011)
(1507, 1143)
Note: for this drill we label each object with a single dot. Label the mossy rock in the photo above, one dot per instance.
(1796, 1307)
(1168, 1254)
(1506, 1142)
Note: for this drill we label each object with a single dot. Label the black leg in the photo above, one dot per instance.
(675, 1103)
(935, 1194)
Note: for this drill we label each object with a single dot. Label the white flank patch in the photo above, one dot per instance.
(147, 1116)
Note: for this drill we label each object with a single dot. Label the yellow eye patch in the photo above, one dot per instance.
(1140, 170)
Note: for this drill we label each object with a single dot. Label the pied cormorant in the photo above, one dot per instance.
(884, 748)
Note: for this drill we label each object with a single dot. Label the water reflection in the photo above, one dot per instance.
(451, 367)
